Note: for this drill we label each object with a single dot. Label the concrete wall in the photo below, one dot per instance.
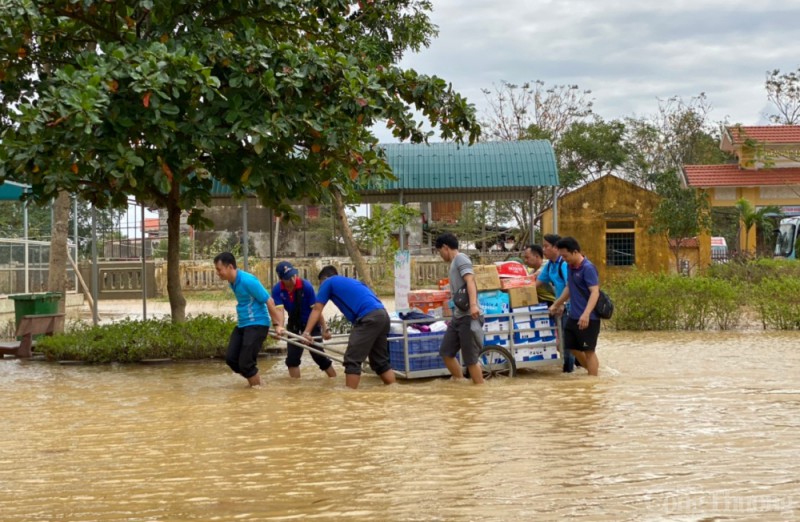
(585, 213)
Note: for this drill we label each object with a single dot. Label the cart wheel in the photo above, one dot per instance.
(497, 362)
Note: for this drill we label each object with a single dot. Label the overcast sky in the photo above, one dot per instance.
(628, 53)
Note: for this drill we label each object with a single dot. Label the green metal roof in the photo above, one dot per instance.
(484, 171)
(451, 172)
(11, 191)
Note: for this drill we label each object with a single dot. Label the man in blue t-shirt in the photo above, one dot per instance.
(583, 290)
(554, 272)
(296, 295)
(253, 322)
(369, 336)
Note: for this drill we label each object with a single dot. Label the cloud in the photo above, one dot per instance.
(629, 54)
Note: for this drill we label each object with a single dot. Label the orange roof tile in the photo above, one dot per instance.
(732, 176)
(687, 242)
(764, 133)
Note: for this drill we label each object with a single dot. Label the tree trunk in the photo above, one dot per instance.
(676, 250)
(349, 241)
(57, 269)
(177, 303)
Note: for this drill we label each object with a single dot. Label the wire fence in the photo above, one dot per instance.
(24, 266)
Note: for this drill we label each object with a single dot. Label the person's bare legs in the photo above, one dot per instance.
(330, 372)
(351, 380)
(388, 377)
(580, 356)
(294, 372)
(476, 372)
(255, 380)
(592, 363)
(455, 368)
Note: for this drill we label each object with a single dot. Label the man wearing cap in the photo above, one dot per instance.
(252, 303)
(296, 295)
(369, 336)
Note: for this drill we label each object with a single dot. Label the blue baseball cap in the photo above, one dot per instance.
(285, 270)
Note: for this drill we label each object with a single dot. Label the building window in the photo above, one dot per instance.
(620, 243)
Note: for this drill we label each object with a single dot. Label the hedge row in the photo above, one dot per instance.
(200, 337)
(720, 300)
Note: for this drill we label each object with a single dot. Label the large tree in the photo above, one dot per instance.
(783, 92)
(679, 133)
(160, 98)
(585, 145)
(682, 214)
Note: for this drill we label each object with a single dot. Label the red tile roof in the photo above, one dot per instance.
(732, 176)
(687, 242)
(765, 133)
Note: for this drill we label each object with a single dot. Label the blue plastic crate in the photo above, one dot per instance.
(421, 343)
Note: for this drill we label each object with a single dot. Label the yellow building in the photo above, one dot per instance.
(767, 172)
(610, 218)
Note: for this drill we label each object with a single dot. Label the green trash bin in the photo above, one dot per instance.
(35, 304)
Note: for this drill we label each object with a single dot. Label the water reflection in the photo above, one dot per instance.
(679, 426)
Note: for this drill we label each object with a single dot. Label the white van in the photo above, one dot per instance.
(719, 250)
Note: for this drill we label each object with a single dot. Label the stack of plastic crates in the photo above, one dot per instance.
(423, 351)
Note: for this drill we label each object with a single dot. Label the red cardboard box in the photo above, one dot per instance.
(511, 269)
(517, 282)
(428, 296)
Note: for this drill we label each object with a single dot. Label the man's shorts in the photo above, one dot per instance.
(460, 336)
(581, 340)
(368, 339)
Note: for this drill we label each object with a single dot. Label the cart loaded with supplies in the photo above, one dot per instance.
(518, 332)
(520, 339)
(515, 340)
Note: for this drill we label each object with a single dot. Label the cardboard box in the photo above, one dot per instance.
(535, 353)
(428, 296)
(522, 296)
(516, 282)
(436, 309)
(523, 314)
(525, 333)
(493, 302)
(496, 325)
(486, 277)
(511, 269)
(495, 340)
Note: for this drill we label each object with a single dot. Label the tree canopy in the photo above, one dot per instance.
(137, 97)
(159, 98)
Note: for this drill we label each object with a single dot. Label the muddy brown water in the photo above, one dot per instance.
(679, 426)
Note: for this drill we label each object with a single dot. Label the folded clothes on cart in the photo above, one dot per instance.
(414, 315)
(438, 326)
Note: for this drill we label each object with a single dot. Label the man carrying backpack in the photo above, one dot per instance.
(583, 291)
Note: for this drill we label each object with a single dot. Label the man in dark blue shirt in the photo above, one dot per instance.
(583, 289)
(369, 336)
(296, 295)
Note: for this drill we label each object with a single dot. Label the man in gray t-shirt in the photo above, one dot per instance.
(465, 331)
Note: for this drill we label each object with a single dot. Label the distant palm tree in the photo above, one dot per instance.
(751, 217)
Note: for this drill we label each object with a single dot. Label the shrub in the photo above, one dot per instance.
(754, 271)
(777, 302)
(674, 302)
(203, 336)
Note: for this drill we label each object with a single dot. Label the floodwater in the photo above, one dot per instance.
(679, 426)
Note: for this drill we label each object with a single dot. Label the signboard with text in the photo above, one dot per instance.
(402, 279)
